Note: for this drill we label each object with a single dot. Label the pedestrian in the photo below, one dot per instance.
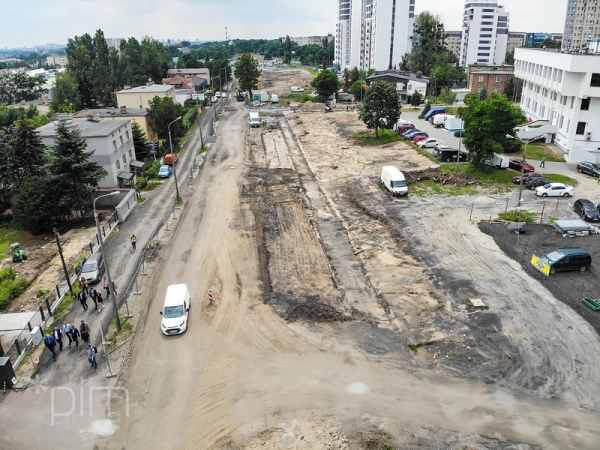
(82, 299)
(114, 289)
(67, 332)
(105, 283)
(543, 163)
(50, 344)
(75, 336)
(100, 302)
(84, 285)
(92, 356)
(57, 334)
(84, 331)
(133, 242)
(94, 297)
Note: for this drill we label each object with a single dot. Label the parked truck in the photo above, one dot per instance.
(439, 120)
(453, 123)
(254, 120)
(498, 161)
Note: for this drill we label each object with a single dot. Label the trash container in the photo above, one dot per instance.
(7, 374)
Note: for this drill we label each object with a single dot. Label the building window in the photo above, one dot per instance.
(124, 159)
(595, 80)
(127, 134)
(118, 164)
(496, 89)
(564, 100)
(121, 138)
(562, 120)
(580, 128)
(480, 78)
(130, 155)
(497, 78)
(572, 102)
(479, 89)
(585, 104)
(114, 145)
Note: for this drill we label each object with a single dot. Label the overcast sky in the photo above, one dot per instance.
(37, 22)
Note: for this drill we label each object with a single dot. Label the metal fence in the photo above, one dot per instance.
(48, 305)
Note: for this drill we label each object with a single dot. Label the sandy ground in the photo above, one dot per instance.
(279, 81)
(321, 281)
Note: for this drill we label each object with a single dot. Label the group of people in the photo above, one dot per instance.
(54, 339)
(94, 294)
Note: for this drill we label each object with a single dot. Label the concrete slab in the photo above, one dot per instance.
(15, 321)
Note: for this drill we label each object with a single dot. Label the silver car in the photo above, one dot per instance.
(93, 268)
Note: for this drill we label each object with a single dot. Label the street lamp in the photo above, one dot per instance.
(225, 69)
(510, 136)
(174, 160)
(110, 283)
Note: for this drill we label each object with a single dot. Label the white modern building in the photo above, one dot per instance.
(373, 34)
(563, 89)
(111, 142)
(484, 34)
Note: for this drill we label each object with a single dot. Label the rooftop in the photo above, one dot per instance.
(111, 112)
(151, 88)
(87, 128)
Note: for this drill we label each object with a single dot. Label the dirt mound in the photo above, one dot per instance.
(312, 106)
(441, 177)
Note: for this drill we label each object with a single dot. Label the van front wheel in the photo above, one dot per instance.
(583, 268)
(552, 271)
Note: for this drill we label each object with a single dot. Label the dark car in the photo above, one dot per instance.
(414, 134)
(589, 168)
(517, 164)
(404, 128)
(409, 133)
(563, 259)
(526, 176)
(534, 182)
(586, 210)
(449, 154)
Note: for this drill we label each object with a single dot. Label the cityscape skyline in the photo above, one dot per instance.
(56, 22)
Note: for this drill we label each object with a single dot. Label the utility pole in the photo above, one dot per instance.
(63, 260)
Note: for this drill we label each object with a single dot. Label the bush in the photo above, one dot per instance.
(142, 182)
(11, 286)
(152, 171)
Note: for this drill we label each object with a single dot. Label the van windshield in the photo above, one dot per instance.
(171, 312)
(401, 183)
(554, 256)
(90, 267)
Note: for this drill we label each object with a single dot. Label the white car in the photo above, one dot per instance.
(428, 143)
(554, 190)
(297, 89)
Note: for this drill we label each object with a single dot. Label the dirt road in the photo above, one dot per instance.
(293, 226)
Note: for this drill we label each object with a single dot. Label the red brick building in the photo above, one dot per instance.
(493, 78)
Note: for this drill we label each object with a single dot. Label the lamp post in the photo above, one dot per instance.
(459, 142)
(510, 136)
(110, 283)
(225, 69)
(174, 160)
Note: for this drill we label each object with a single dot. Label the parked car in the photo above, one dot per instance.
(554, 190)
(410, 132)
(526, 176)
(169, 158)
(534, 182)
(563, 259)
(428, 143)
(165, 171)
(447, 154)
(586, 210)
(517, 164)
(297, 89)
(589, 168)
(403, 128)
(420, 137)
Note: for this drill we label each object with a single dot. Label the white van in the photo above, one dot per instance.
(175, 310)
(498, 161)
(254, 120)
(274, 98)
(394, 181)
(439, 120)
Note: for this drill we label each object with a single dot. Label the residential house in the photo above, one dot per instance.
(139, 97)
(406, 83)
(111, 144)
(201, 72)
(564, 90)
(57, 60)
(140, 116)
(493, 78)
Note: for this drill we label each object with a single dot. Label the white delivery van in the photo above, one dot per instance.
(274, 98)
(498, 161)
(439, 120)
(254, 120)
(394, 181)
(264, 97)
(454, 123)
(175, 310)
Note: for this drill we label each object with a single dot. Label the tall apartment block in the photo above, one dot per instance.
(485, 33)
(582, 24)
(373, 34)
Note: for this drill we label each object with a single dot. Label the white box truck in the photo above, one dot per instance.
(254, 119)
(264, 97)
(439, 120)
(274, 98)
(498, 161)
(454, 123)
(394, 181)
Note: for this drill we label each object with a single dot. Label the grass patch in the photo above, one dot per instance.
(118, 337)
(204, 149)
(66, 303)
(152, 184)
(538, 151)
(298, 96)
(367, 138)
(556, 178)
(312, 72)
(40, 293)
(491, 176)
(8, 236)
(410, 109)
(423, 152)
(415, 347)
(11, 286)
(526, 216)
(141, 199)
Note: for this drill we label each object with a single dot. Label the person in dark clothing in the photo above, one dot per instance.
(67, 332)
(84, 331)
(75, 336)
(57, 335)
(94, 297)
(100, 302)
(50, 344)
(92, 356)
(82, 299)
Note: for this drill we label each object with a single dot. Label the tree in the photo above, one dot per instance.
(35, 206)
(185, 44)
(247, 73)
(483, 94)
(428, 44)
(16, 86)
(550, 43)
(426, 108)
(29, 150)
(381, 106)
(187, 61)
(445, 75)
(447, 96)
(510, 58)
(70, 167)
(65, 92)
(139, 141)
(163, 111)
(346, 77)
(487, 122)
(326, 84)
(354, 75)
(415, 99)
(357, 89)
(287, 57)
(510, 88)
